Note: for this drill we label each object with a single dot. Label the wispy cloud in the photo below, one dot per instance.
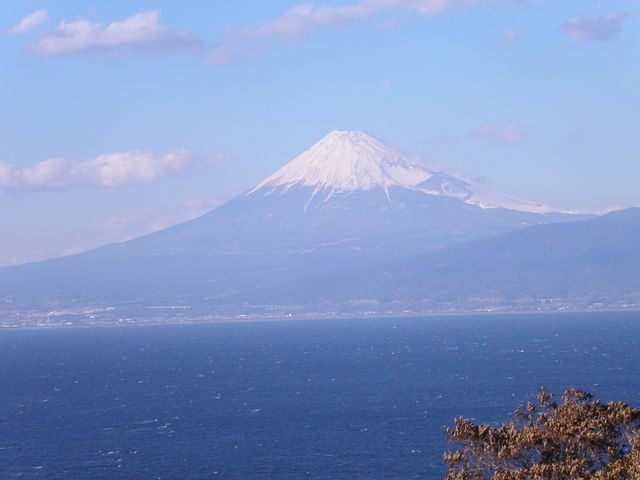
(596, 28)
(65, 252)
(119, 228)
(512, 36)
(22, 257)
(492, 132)
(446, 139)
(108, 170)
(303, 20)
(499, 134)
(135, 223)
(142, 33)
(29, 22)
(198, 206)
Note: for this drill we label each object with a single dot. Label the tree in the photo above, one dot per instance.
(577, 439)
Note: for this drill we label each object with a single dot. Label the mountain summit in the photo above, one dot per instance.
(348, 161)
(345, 161)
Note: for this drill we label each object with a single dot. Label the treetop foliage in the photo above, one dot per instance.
(578, 438)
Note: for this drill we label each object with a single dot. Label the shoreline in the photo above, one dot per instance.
(318, 318)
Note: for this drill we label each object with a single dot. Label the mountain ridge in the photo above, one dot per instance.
(590, 261)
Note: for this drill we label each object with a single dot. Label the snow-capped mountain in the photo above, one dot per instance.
(348, 202)
(351, 192)
(348, 161)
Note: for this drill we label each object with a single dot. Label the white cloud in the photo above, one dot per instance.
(302, 20)
(596, 28)
(498, 134)
(108, 170)
(141, 33)
(29, 22)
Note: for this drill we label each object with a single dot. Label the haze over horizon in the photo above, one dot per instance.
(120, 120)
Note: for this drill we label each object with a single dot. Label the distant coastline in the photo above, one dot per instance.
(351, 316)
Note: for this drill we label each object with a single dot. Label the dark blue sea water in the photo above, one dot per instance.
(325, 399)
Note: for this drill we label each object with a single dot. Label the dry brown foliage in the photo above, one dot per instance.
(578, 438)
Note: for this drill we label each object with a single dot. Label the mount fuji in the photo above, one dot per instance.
(348, 202)
(350, 192)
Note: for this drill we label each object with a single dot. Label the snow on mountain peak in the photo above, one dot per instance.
(346, 160)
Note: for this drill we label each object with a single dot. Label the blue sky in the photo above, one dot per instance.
(119, 118)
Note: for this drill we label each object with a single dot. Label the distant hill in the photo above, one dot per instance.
(578, 263)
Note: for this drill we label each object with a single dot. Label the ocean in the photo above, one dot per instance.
(317, 399)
